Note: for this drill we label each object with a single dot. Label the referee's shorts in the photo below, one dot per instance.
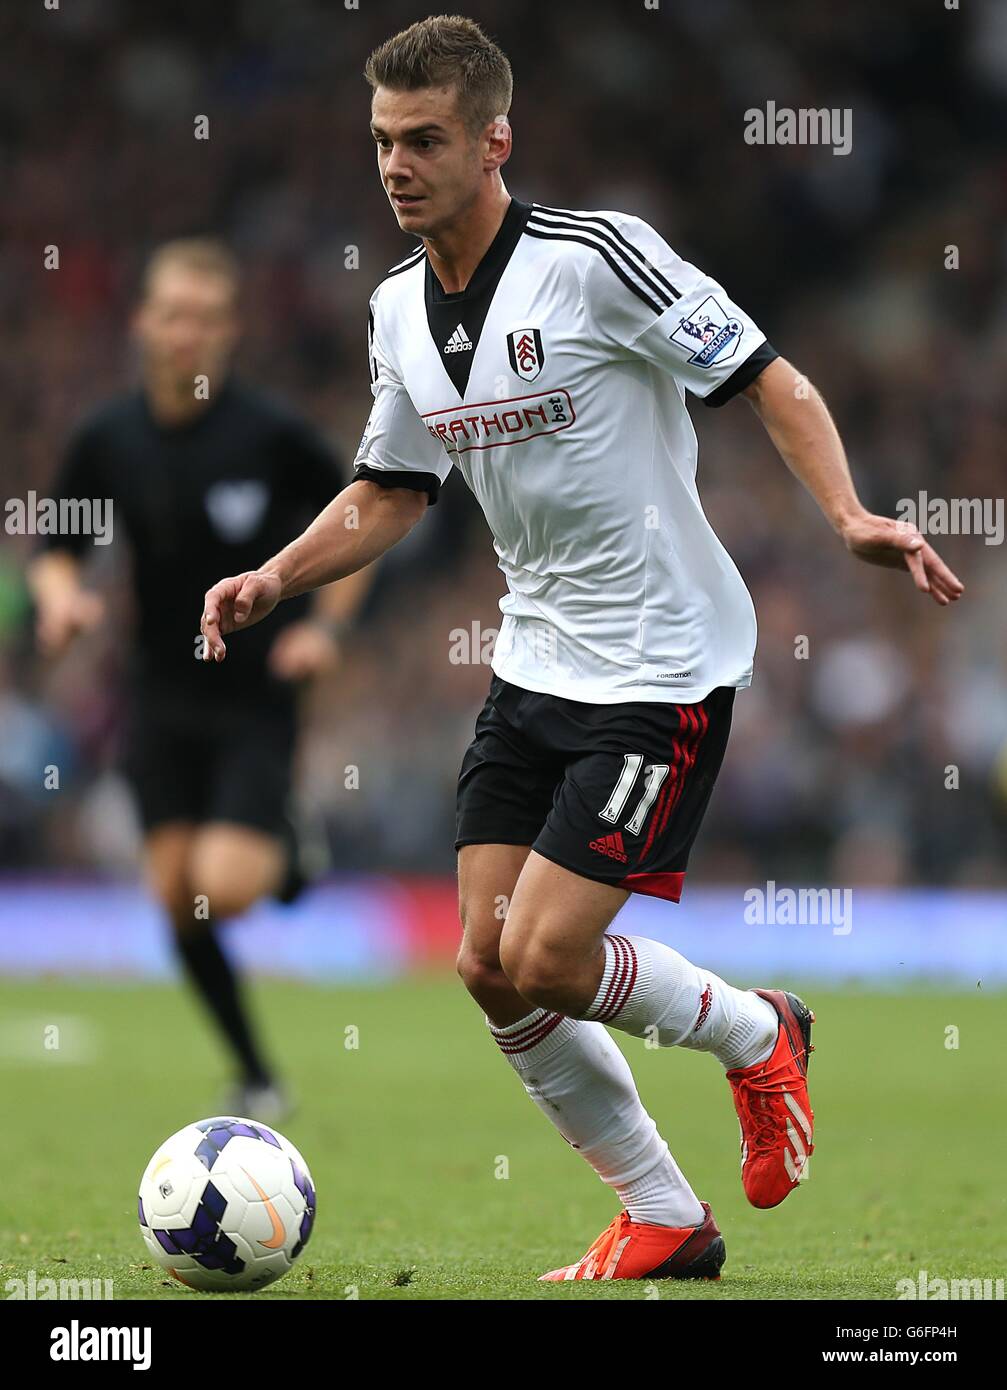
(211, 762)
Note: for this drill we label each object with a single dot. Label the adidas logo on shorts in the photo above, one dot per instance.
(611, 846)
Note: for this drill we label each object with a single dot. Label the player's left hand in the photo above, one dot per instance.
(302, 651)
(880, 540)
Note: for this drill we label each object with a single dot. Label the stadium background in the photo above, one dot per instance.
(836, 770)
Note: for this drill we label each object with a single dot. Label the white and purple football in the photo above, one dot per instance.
(226, 1203)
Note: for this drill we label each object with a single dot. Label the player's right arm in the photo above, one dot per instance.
(399, 470)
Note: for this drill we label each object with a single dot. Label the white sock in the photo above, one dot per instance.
(651, 991)
(662, 1197)
(577, 1076)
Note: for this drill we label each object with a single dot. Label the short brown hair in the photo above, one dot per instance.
(203, 254)
(447, 49)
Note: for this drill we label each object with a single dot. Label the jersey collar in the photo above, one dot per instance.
(494, 260)
(456, 320)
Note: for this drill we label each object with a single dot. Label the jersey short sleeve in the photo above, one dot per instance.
(396, 449)
(642, 299)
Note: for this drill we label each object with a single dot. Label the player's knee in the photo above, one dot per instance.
(480, 970)
(538, 974)
(478, 959)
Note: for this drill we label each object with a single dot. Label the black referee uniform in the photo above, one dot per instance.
(204, 742)
(210, 497)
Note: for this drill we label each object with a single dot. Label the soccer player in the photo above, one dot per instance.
(203, 473)
(546, 354)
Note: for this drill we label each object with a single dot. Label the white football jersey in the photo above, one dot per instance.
(555, 383)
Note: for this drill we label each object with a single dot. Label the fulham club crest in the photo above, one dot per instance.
(524, 348)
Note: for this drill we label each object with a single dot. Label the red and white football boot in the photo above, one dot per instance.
(633, 1250)
(771, 1098)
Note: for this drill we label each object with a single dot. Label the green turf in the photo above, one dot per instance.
(405, 1134)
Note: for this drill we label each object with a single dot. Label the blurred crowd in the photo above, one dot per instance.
(876, 750)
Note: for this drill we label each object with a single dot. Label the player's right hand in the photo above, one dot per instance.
(233, 604)
(60, 618)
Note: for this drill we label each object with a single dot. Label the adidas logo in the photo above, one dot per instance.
(705, 1005)
(459, 341)
(611, 846)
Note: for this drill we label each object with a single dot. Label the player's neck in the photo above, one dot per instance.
(456, 251)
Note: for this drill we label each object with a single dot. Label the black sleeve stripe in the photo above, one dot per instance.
(743, 376)
(401, 477)
(371, 361)
(657, 308)
(652, 286)
(603, 222)
(412, 259)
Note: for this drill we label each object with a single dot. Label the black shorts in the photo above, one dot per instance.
(210, 763)
(613, 792)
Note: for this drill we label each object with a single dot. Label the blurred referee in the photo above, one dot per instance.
(205, 475)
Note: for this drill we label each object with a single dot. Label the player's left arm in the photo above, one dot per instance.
(642, 299)
(798, 422)
(313, 647)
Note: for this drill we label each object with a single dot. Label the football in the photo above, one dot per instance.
(226, 1203)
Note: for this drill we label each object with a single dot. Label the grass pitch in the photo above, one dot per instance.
(407, 1133)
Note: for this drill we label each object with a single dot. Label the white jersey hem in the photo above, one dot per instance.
(588, 693)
